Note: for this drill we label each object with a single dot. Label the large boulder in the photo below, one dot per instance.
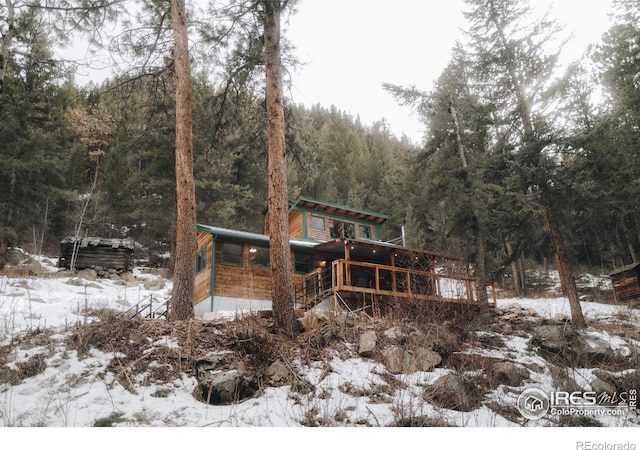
(368, 341)
(278, 372)
(507, 373)
(551, 337)
(398, 360)
(455, 392)
(224, 388)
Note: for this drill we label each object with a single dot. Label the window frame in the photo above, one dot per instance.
(258, 249)
(201, 260)
(223, 252)
(365, 227)
(344, 225)
(296, 261)
(313, 225)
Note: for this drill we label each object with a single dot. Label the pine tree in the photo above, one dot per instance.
(511, 59)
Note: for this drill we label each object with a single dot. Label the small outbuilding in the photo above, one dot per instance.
(626, 282)
(91, 252)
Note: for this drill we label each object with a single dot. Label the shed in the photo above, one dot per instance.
(626, 282)
(95, 251)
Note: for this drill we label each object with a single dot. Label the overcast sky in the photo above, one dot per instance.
(351, 47)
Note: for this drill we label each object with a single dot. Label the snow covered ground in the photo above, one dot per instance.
(77, 391)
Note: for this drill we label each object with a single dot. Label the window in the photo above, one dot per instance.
(303, 262)
(258, 256)
(201, 260)
(317, 223)
(365, 231)
(232, 254)
(342, 230)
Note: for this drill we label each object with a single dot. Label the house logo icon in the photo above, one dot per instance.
(533, 403)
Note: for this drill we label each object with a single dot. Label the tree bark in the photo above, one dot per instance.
(577, 318)
(280, 252)
(181, 303)
(514, 267)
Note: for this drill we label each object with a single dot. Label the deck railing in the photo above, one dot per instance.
(376, 279)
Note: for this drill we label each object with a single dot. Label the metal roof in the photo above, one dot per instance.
(624, 268)
(252, 237)
(334, 208)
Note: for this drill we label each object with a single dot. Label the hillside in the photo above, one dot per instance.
(70, 357)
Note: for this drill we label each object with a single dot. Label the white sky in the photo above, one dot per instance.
(351, 47)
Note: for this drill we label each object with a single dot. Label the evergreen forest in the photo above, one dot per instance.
(517, 154)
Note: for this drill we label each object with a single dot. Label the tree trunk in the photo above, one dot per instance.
(5, 42)
(533, 151)
(514, 267)
(475, 221)
(4, 247)
(181, 303)
(626, 236)
(280, 252)
(577, 319)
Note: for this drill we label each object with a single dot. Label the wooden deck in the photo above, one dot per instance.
(349, 278)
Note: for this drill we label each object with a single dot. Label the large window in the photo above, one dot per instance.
(201, 260)
(342, 230)
(303, 262)
(365, 231)
(258, 256)
(317, 223)
(232, 254)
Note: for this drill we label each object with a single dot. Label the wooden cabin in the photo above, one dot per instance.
(336, 255)
(626, 283)
(94, 252)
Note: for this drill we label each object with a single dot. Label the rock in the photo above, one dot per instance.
(595, 347)
(223, 388)
(127, 277)
(75, 282)
(551, 337)
(88, 274)
(425, 359)
(394, 334)
(599, 386)
(315, 318)
(397, 360)
(442, 340)
(455, 392)
(508, 373)
(368, 341)
(393, 358)
(154, 284)
(278, 372)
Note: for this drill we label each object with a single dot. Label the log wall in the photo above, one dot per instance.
(626, 286)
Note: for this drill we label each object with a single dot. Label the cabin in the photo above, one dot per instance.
(91, 252)
(626, 283)
(337, 257)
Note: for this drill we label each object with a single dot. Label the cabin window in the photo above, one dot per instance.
(342, 230)
(258, 256)
(232, 254)
(201, 260)
(303, 262)
(317, 223)
(365, 231)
